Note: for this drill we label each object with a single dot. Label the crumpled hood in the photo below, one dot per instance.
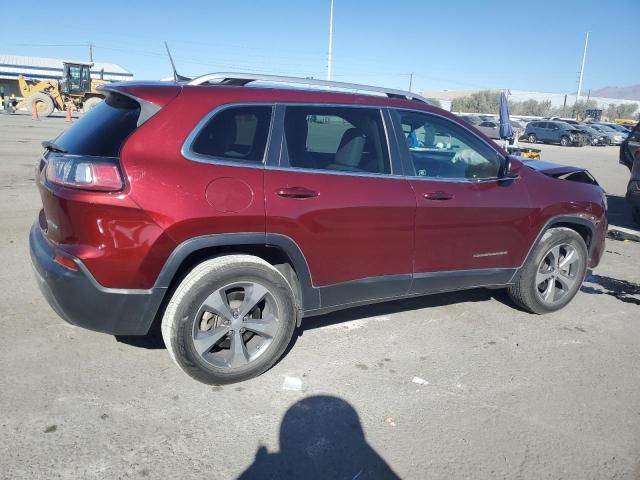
(564, 172)
(550, 168)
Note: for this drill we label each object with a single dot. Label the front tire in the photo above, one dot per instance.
(229, 320)
(635, 214)
(553, 272)
(564, 141)
(43, 103)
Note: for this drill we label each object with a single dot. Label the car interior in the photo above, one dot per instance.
(435, 148)
(341, 139)
(237, 133)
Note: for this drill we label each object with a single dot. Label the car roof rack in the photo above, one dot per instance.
(241, 79)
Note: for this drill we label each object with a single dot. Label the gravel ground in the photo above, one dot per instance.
(509, 395)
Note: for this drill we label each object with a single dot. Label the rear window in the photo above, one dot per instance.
(103, 130)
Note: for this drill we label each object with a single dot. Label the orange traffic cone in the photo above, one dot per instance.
(67, 117)
(34, 112)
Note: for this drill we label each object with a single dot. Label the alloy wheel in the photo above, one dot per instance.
(235, 325)
(558, 273)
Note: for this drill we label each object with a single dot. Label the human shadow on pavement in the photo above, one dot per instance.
(320, 438)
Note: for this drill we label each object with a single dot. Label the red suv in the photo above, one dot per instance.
(229, 212)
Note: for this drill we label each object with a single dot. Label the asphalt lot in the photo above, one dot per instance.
(509, 395)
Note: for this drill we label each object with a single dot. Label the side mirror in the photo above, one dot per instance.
(511, 168)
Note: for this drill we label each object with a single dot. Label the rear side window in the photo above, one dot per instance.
(238, 133)
(342, 139)
(102, 131)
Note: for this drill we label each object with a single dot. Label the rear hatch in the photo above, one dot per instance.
(81, 167)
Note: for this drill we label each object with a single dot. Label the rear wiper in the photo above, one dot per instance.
(49, 145)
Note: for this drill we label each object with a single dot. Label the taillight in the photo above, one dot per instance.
(85, 173)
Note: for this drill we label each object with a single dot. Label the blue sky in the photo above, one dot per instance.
(446, 44)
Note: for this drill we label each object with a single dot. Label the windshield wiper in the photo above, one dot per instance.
(52, 147)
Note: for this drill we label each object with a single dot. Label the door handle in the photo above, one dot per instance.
(438, 196)
(297, 192)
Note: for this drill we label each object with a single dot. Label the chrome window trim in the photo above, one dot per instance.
(187, 147)
(460, 124)
(383, 176)
(380, 109)
(456, 180)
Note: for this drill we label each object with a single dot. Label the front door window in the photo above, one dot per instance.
(441, 149)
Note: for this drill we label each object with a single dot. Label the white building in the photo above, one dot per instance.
(38, 68)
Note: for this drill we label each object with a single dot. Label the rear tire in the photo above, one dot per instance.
(553, 272)
(43, 102)
(229, 320)
(90, 103)
(532, 138)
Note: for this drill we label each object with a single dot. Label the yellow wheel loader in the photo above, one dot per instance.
(76, 90)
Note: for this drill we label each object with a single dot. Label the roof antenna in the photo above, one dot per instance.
(176, 76)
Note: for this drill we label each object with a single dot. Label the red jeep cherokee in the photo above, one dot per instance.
(228, 212)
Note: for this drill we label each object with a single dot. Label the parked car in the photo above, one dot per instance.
(630, 157)
(618, 128)
(596, 138)
(615, 137)
(556, 132)
(230, 213)
(472, 120)
(490, 129)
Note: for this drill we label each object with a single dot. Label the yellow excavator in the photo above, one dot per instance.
(76, 90)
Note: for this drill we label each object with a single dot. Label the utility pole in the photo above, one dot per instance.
(410, 80)
(584, 57)
(330, 59)
(91, 52)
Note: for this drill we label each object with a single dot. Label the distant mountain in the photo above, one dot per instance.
(631, 92)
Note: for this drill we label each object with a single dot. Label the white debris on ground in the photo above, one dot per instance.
(391, 421)
(292, 383)
(356, 324)
(419, 381)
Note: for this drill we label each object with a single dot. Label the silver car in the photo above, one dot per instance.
(615, 137)
(490, 129)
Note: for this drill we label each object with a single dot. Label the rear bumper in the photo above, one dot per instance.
(80, 300)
